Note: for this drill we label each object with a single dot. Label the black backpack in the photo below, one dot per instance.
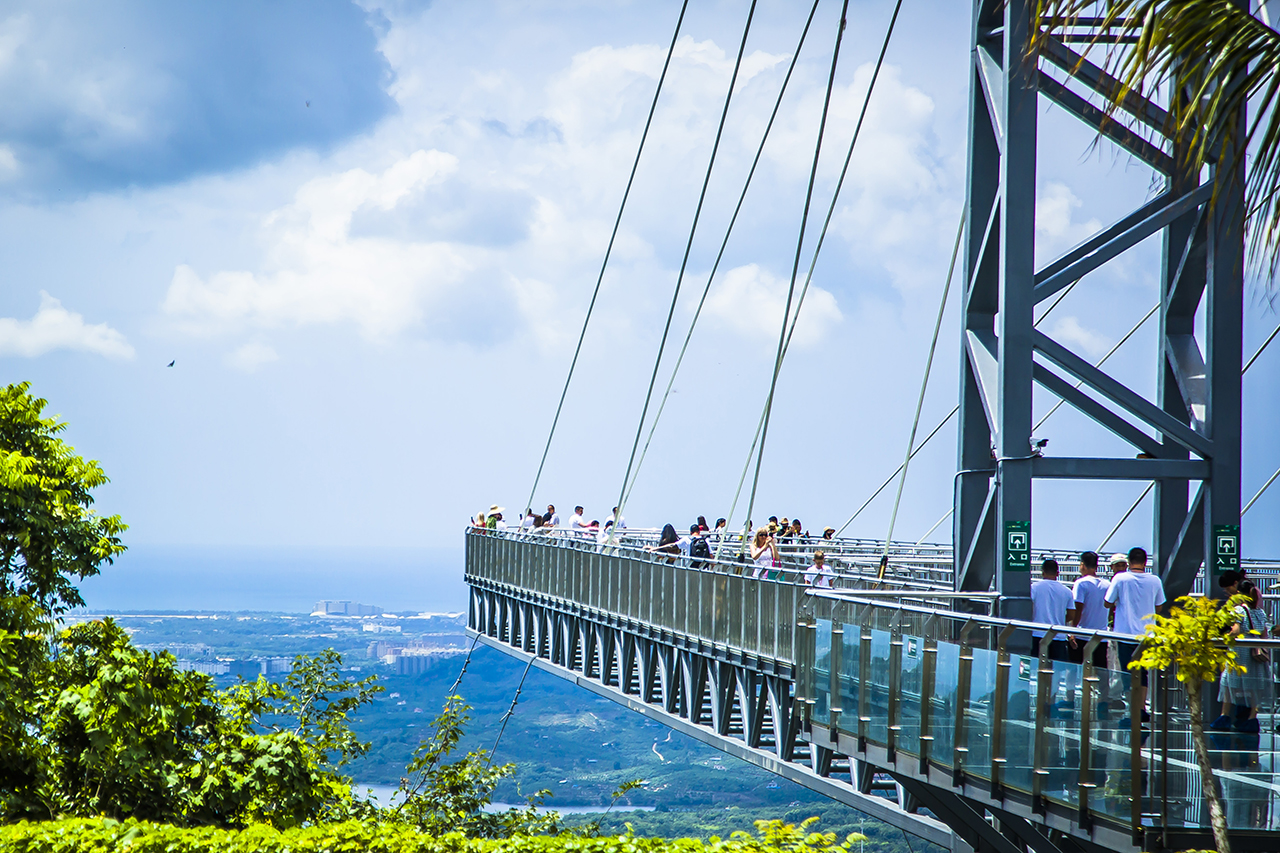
(699, 549)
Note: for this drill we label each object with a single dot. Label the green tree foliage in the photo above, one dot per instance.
(49, 534)
(95, 726)
(1196, 641)
(76, 836)
(439, 796)
(1220, 59)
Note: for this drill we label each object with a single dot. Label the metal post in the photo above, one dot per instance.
(999, 709)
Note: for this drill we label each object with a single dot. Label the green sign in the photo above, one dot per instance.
(913, 647)
(1226, 548)
(1017, 546)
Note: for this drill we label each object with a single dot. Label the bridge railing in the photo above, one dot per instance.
(738, 606)
(965, 695)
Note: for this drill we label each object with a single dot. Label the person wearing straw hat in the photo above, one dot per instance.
(495, 518)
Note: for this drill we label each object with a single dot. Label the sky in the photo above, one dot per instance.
(366, 235)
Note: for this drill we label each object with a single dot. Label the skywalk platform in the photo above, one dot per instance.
(894, 695)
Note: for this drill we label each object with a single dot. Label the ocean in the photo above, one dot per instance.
(278, 579)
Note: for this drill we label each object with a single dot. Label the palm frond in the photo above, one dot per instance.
(1219, 62)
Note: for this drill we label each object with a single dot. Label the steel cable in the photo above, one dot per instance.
(783, 338)
(684, 263)
(608, 251)
(924, 383)
(809, 278)
(938, 428)
(723, 245)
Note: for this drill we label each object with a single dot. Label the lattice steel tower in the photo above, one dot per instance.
(1190, 434)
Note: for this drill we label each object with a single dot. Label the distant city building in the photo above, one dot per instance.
(208, 667)
(182, 651)
(344, 608)
(377, 628)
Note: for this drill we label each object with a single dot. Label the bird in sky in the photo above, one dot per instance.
(308, 103)
(172, 363)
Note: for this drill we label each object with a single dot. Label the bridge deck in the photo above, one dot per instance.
(857, 691)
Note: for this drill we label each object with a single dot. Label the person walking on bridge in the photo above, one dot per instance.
(1133, 598)
(1050, 601)
(819, 575)
(1091, 613)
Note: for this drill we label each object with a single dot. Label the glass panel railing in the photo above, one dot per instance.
(850, 678)
(878, 689)
(1060, 748)
(1110, 752)
(1020, 723)
(943, 704)
(822, 673)
(750, 614)
(908, 738)
(978, 722)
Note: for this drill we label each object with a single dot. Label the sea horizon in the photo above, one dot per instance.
(221, 578)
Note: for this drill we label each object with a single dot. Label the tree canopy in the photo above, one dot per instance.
(50, 537)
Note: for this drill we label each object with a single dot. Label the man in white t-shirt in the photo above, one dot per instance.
(1050, 601)
(577, 523)
(1134, 596)
(618, 522)
(1091, 612)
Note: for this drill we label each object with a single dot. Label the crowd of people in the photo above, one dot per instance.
(759, 547)
(1126, 603)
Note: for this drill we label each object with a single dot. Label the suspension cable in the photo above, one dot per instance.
(511, 711)
(1102, 361)
(1254, 358)
(941, 424)
(924, 383)
(1055, 408)
(723, 245)
(1152, 484)
(684, 263)
(617, 222)
(784, 339)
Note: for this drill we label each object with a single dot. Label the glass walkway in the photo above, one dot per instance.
(935, 710)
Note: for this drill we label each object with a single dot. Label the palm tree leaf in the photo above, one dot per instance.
(1217, 62)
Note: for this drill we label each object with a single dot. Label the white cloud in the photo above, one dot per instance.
(54, 328)
(316, 272)
(8, 163)
(750, 301)
(1056, 230)
(1069, 331)
(251, 356)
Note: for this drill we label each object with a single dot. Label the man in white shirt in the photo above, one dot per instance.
(552, 518)
(1134, 597)
(578, 524)
(526, 522)
(1050, 601)
(620, 523)
(1090, 610)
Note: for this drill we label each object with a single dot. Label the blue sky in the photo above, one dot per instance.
(367, 233)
